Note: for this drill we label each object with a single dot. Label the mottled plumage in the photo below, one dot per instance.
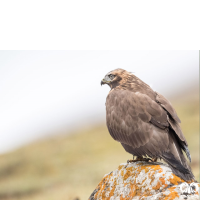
(144, 122)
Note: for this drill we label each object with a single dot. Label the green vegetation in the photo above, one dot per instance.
(67, 167)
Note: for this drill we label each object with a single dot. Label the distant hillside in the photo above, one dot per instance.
(69, 167)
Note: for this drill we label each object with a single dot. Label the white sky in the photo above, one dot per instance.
(42, 91)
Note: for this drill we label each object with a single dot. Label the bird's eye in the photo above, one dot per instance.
(111, 76)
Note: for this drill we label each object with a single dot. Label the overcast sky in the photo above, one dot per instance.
(42, 91)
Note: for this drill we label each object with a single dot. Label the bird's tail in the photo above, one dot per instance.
(176, 159)
(182, 171)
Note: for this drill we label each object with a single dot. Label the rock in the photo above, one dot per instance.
(143, 180)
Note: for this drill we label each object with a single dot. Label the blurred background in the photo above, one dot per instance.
(54, 141)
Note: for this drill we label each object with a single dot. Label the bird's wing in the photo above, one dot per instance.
(142, 126)
(173, 118)
(167, 106)
(136, 120)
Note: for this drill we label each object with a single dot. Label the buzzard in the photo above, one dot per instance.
(145, 123)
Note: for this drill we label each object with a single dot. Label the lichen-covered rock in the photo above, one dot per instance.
(142, 180)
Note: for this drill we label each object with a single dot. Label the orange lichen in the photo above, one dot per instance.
(163, 182)
(132, 192)
(129, 168)
(146, 193)
(144, 180)
(101, 187)
(122, 173)
(172, 195)
(158, 186)
(140, 189)
(151, 176)
(121, 198)
(175, 180)
(151, 169)
(146, 168)
(120, 167)
(127, 174)
(113, 189)
(151, 166)
(157, 167)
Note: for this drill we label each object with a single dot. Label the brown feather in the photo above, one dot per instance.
(167, 105)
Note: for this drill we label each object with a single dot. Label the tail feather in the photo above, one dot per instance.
(185, 177)
(185, 148)
(170, 159)
(176, 159)
(183, 171)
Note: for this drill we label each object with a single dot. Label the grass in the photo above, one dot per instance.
(70, 166)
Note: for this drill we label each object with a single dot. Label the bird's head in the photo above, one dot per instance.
(114, 77)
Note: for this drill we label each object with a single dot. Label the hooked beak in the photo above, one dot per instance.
(102, 82)
(105, 80)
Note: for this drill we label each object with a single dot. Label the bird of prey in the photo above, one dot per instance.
(145, 123)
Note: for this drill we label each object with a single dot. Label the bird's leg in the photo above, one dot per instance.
(128, 161)
(145, 159)
(154, 159)
(139, 158)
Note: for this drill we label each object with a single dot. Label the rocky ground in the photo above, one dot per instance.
(142, 180)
